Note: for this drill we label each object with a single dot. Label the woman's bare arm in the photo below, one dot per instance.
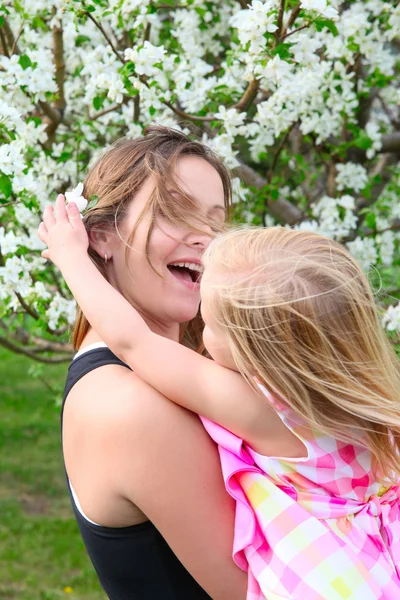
(158, 456)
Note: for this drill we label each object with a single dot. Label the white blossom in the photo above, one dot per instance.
(391, 318)
(146, 58)
(364, 251)
(375, 136)
(321, 7)
(201, 59)
(351, 175)
(76, 196)
(60, 308)
(331, 220)
(253, 22)
(386, 244)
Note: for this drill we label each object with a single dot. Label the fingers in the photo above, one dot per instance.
(60, 209)
(74, 215)
(43, 233)
(48, 217)
(46, 254)
(57, 213)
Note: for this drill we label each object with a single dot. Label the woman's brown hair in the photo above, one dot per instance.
(117, 177)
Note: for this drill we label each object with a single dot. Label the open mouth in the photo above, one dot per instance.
(185, 271)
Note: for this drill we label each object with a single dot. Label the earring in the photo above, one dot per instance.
(105, 258)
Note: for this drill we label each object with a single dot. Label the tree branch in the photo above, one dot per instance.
(20, 350)
(100, 27)
(56, 114)
(136, 108)
(58, 50)
(281, 208)
(248, 97)
(383, 169)
(278, 151)
(50, 112)
(16, 40)
(56, 279)
(50, 346)
(105, 111)
(35, 315)
(4, 43)
(28, 309)
(184, 115)
(10, 37)
(368, 232)
(293, 16)
(388, 112)
(280, 21)
(391, 142)
(295, 31)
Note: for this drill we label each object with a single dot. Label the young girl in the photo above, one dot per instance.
(304, 388)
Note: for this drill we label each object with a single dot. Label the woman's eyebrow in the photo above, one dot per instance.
(216, 206)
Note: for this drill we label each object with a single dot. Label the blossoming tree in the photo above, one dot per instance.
(298, 96)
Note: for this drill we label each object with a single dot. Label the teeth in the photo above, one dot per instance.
(187, 265)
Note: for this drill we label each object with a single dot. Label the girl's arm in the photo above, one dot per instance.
(179, 373)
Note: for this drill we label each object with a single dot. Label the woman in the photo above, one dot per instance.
(144, 477)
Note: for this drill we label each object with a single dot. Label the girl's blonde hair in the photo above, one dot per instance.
(120, 173)
(300, 315)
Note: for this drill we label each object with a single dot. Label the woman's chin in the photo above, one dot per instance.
(184, 310)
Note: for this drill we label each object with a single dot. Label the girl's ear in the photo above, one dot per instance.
(99, 241)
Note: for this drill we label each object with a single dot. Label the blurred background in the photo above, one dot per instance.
(42, 556)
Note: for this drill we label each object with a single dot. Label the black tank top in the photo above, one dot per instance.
(132, 563)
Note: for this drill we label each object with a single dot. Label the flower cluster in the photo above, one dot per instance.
(300, 98)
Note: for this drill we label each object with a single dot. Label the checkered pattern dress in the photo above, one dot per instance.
(314, 528)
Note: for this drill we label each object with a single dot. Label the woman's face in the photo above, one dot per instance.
(174, 297)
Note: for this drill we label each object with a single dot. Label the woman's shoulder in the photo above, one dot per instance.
(112, 397)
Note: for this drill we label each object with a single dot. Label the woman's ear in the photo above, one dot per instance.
(100, 242)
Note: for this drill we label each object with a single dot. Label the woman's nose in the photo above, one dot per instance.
(199, 239)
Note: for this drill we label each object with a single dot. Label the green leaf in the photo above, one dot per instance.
(64, 156)
(5, 185)
(36, 120)
(283, 51)
(98, 102)
(38, 23)
(1, 21)
(152, 111)
(321, 23)
(25, 61)
(353, 47)
(363, 142)
(93, 200)
(370, 220)
(81, 39)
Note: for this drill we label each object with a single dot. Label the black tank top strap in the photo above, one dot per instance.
(88, 361)
(135, 562)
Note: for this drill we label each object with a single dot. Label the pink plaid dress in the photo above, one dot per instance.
(314, 528)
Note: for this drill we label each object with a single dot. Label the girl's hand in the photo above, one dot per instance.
(63, 232)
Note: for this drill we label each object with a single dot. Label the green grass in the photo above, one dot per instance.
(42, 556)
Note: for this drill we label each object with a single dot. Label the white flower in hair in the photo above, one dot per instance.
(76, 196)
